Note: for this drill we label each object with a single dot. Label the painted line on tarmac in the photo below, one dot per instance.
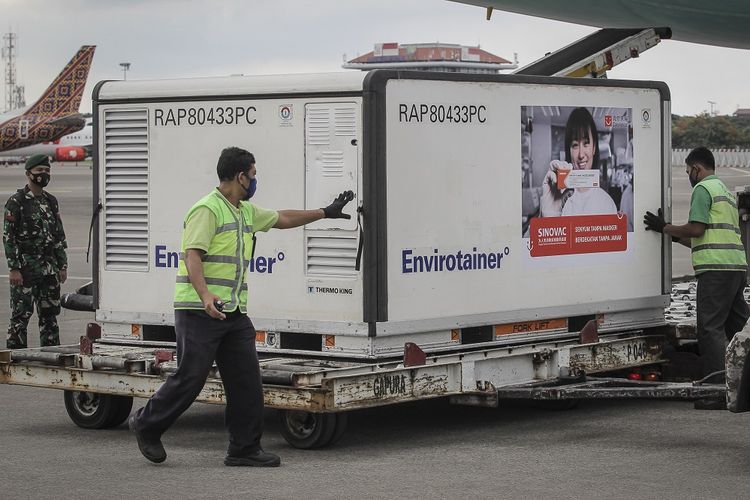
(744, 172)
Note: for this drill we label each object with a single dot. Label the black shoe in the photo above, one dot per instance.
(258, 459)
(710, 404)
(150, 448)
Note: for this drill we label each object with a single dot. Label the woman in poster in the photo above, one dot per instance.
(581, 153)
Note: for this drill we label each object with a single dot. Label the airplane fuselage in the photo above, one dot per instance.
(29, 129)
(75, 146)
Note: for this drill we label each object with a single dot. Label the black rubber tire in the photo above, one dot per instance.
(123, 406)
(341, 422)
(90, 410)
(306, 430)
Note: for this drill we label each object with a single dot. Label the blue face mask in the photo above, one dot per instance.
(250, 190)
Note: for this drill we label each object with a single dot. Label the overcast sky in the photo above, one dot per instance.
(184, 38)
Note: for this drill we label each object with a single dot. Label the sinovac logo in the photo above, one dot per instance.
(438, 262)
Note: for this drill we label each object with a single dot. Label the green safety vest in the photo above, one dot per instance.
(720, 248)
(227, 259)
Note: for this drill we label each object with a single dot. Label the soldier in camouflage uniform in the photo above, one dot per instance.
(35, 245)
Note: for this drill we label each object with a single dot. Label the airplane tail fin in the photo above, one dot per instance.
(63, 96)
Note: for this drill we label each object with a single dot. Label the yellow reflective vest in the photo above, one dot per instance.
(720, 248)
(226, 261)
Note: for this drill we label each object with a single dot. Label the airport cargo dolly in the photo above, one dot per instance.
(100, 379)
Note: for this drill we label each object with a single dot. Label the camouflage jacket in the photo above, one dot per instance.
(33, 234)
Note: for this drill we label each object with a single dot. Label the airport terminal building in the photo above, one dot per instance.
(445, 57)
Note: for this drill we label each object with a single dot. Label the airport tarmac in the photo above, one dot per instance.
(428, 449)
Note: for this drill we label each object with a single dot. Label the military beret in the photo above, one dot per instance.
(36, 160)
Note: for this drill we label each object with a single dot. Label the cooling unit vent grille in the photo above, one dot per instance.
(125, 160)
(331, 255)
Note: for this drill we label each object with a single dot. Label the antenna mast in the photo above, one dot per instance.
(14, 93)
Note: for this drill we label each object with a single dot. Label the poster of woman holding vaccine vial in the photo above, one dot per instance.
(576, 161)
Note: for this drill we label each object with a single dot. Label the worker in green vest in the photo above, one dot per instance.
(210, 304)
(719, 262)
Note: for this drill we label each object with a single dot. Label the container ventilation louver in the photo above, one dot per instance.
(126, 202)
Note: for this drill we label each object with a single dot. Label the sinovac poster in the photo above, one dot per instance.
(576, 180)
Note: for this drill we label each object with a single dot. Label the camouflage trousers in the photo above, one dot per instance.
(45, 292)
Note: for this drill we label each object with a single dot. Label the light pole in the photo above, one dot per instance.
(125, 67)
(711, 123)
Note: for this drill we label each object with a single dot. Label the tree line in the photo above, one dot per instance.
(714, 132)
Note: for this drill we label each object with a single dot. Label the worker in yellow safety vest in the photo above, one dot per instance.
(719, 262)
(210, 304)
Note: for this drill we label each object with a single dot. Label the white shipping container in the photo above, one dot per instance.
(448, 171)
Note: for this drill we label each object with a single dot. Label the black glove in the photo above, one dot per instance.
(655, 222)
(333, 211)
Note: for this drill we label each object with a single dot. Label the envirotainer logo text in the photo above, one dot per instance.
(461, 260)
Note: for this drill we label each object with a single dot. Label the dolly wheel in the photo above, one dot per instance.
(341, 421)
(306, 430)
(97, 411)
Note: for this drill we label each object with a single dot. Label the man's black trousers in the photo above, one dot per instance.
(722, 312)
(201, 340)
